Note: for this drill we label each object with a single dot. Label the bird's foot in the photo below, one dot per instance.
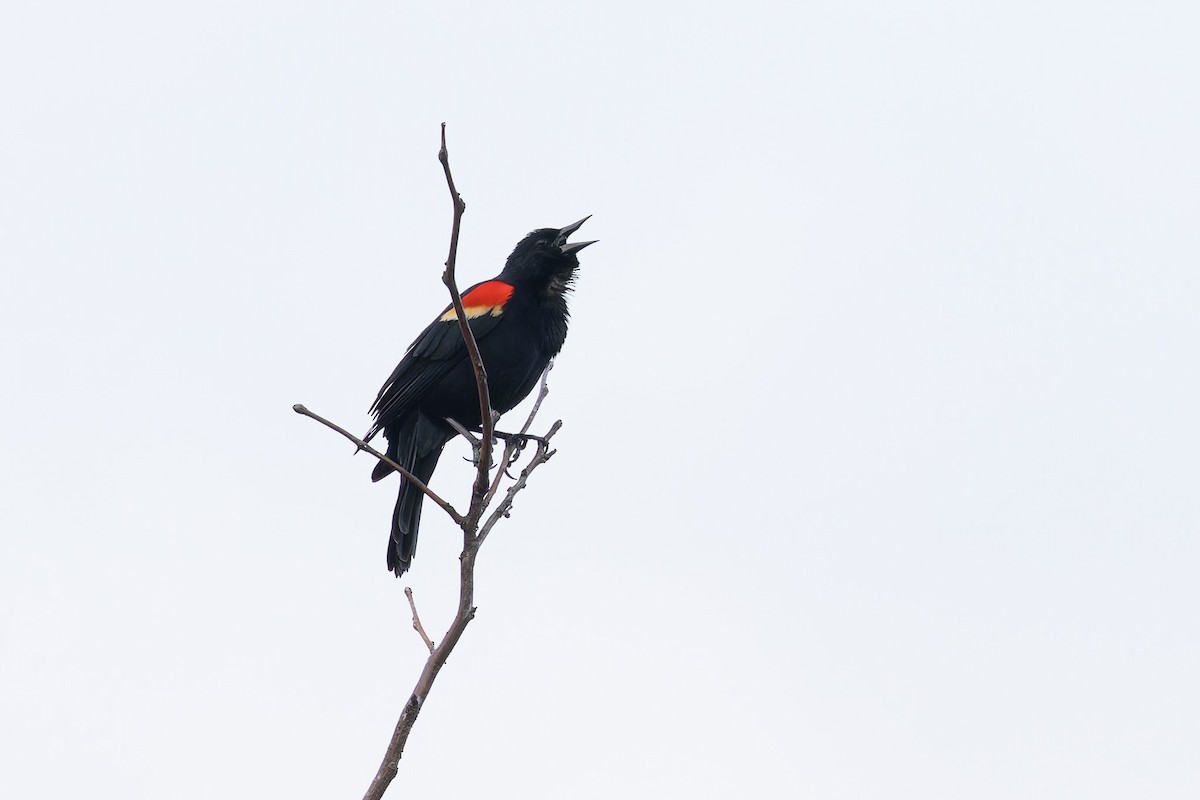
(475, 441)
(522, 439)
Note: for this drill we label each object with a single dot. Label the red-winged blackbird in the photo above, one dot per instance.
(519, 319)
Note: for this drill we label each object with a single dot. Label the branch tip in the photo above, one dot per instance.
(361, 445)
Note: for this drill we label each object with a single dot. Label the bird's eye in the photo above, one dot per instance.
(543, 242)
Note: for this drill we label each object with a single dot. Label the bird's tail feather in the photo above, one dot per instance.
(407, 517)
(382, 468)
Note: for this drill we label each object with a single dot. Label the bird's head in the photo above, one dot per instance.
(545, 257)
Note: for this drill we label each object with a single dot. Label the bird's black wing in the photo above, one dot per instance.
(438, 349)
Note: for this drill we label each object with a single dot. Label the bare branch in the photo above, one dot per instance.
(433, 665)
(541, 457)
(484, 491)
(466, 612)
(417, 626)
(417, 482)
(464, 325)
(510, 452)
(466, 595)
(462, 431)
(543, 390)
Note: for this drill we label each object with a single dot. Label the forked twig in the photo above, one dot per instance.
(417, 626)
(543, 455)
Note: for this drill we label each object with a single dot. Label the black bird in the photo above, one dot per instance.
(519, 319)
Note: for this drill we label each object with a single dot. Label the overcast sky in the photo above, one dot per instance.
(880, 451)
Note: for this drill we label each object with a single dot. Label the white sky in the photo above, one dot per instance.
(879, 463)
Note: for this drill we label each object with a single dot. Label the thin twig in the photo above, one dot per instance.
(417, 626)
(505, 462)
(433, 665)
(417, 482)
(513, 442)
(541, 457)
(543, 390)
(464, 325)
(462, 431)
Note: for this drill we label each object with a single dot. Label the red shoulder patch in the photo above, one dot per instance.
(492, 293)
(486, 298)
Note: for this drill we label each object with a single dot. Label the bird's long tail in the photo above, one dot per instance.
(407, 516)
(413, 448)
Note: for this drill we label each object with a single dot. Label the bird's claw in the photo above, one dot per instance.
(475, 441)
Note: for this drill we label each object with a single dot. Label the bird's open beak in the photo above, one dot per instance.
(564, 233)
